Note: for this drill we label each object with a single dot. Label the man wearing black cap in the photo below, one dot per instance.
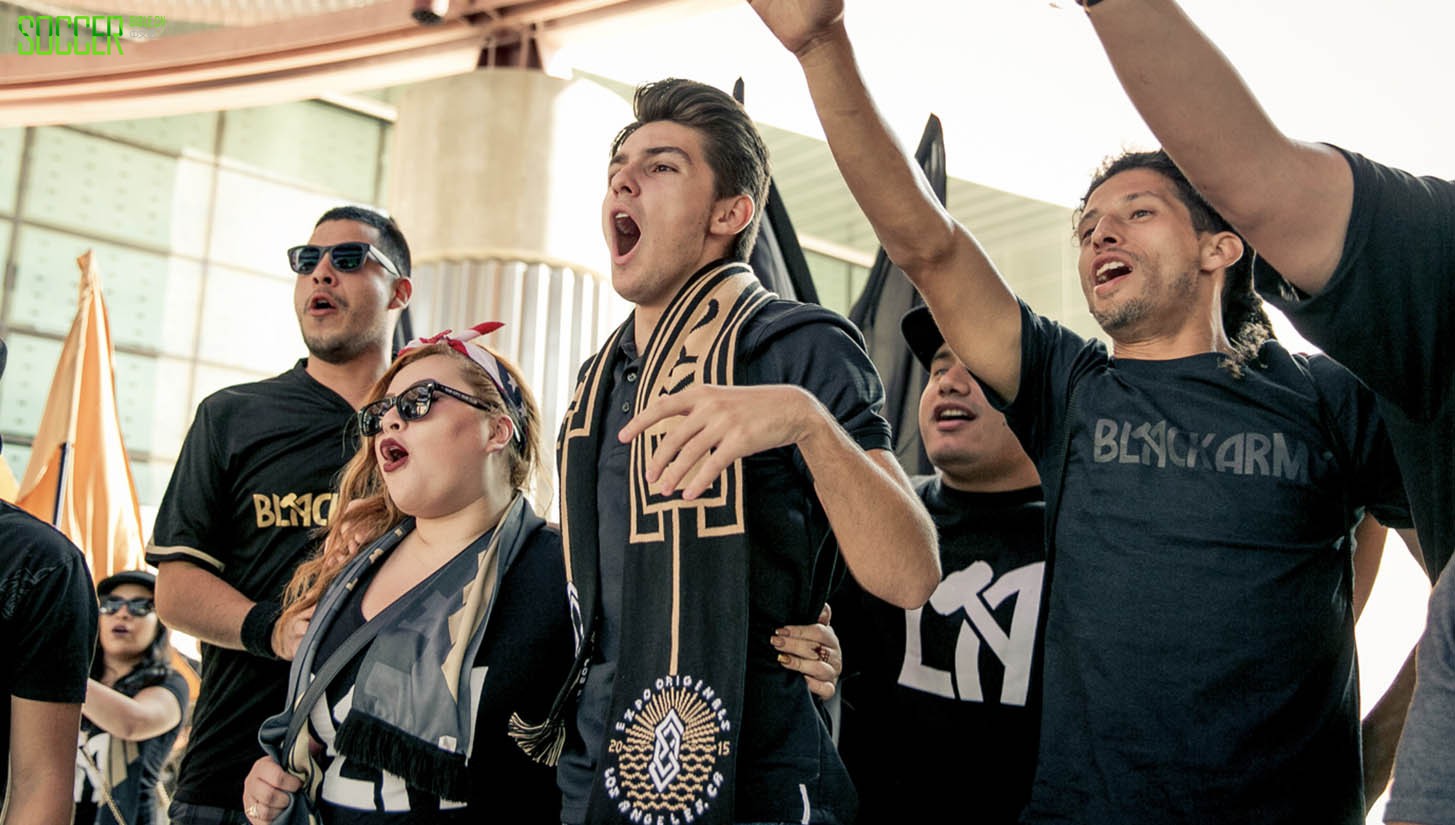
(253, 483)
(960, 675)
(47, 631)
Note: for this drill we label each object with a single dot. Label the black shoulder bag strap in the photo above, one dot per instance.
(297, 713)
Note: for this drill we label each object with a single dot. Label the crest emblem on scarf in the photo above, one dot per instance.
(662, 757)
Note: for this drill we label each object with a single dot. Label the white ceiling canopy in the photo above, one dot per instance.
(320, 48)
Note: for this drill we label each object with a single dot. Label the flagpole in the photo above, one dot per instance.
(61, 484)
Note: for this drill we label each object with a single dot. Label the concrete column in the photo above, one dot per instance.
(497, 178)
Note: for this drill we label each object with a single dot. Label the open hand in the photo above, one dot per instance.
(716, 426)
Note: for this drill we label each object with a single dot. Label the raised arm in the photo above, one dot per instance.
(971, 303)
(1290, 199)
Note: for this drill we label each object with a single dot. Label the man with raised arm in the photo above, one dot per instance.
(1362, 259)
(1201, 484)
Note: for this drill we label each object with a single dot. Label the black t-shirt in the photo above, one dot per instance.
(1387, 315)
(47, 618)
(793, 561)
(130, 768)
(941, 703)
(1199, 647)
(254, 481)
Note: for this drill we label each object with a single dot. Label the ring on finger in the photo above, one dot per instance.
(823, 653)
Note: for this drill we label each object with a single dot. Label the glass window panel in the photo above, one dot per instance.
(248, 321)
(258, 220)
(151, 403)
(99, 187)
(46, 280)
(838, 283)
(151, 479)
(5, 228)
(312, 143)
(195, 133)
(17, 457)
(29, 371)
(12, 143)
(151, 298)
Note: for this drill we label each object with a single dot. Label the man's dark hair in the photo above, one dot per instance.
(734, 149)
(1244, 320)
(391, 239)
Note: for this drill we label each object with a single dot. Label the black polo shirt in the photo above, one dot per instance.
(794, 561)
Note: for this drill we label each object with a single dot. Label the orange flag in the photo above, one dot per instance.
(79, 478)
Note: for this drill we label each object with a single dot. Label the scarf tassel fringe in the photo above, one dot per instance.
(381, 745)
(543, 742)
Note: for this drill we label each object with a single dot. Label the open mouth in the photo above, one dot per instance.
(627, 233)
(392, 453)
(1110, 271)
(320, 303)
(952, 415)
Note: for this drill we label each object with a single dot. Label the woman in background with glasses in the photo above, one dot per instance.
(438, 608)
(134, 706)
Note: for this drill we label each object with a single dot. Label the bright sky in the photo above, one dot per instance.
(1027, 98)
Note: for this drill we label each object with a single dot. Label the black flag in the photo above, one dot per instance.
(404, 330)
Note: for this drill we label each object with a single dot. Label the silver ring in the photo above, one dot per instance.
(252, 811)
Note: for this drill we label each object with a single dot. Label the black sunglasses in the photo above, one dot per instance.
(346, 257)
(138, 607)
(412, 404)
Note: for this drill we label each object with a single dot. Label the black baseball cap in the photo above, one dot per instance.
(115, 580)
(922, 334)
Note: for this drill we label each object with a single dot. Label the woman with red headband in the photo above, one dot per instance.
(446, 620)
(426, 637)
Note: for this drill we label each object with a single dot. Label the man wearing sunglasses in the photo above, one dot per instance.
(253, 483)
(47, 632)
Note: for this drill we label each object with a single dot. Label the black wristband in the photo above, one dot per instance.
(257, 629)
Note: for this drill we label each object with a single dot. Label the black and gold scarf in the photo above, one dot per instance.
(677, 697)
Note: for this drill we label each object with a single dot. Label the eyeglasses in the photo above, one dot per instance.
(139, 607)
(346, 257)
(412, 404)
